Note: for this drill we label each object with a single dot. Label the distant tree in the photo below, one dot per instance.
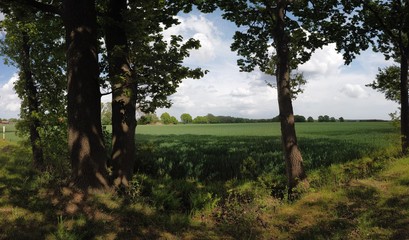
(326, 118)
(299, 118)
(320, 118)
(201, 119)
(212, 118)
(332, 119)
(186, 118)
(276, 119)
(166, 118)
(341, 119)
(173, 120)
(106, 113)
(310, 119)
(149, 118)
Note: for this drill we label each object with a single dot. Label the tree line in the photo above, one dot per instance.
(67, 50)
(186, 118)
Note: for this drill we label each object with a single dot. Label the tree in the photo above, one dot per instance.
(341, 119)
(143, 69)
(212, 118)
(173, 120)
(123, 94)
(384, 25)
(186, 118)
(149, 118)
(310, 119)
(278, 25)
(85, 138)
(332, 119)
(154, 72)
(388, 82)
(106, 113)
(165, 118)
(299, 118)
(25, 87)
(201, 119)
(41, 82)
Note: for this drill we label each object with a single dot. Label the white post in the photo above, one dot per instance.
(4, 132)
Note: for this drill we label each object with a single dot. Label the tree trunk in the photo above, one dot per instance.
(32, 104)
(85, 138)
(292, 154)
(123, 96)
(404, 100)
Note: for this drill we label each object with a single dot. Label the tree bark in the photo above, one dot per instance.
(404, 100)
(123, 96)
(292, 155)
(85, 139)
(32, 104)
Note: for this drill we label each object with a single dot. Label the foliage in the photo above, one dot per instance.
(106, 113)
(201, 119)
(299, 118)
(310, 119)
(186, 118)
(44, 34)
(388, 82)
(327, 118)
(258, 42)
(167, 119)
(384, 26)
(156, 63)
(149, 118)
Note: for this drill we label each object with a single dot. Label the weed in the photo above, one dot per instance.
(62, 233)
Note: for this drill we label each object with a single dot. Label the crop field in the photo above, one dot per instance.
(230, 151)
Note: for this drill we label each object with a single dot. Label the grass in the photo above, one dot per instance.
(10, 133)
(218, 182)
(228, 151)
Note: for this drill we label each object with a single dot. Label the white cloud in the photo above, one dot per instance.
(9, 101)
(324, 61)
(332, 88)
(354, 91)
(200, 28)
(241, 92)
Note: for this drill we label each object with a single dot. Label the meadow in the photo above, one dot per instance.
(223, 181)
(226, 151)
(10, 134)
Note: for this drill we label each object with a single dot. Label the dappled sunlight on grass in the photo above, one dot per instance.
(219, 187)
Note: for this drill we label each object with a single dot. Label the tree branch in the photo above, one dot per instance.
(41, 6)
(382, 23)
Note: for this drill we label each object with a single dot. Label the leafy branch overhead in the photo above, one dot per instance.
(156, 63)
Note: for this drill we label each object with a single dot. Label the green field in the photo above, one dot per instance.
(226, 151)
(224, 181)
(10, 134)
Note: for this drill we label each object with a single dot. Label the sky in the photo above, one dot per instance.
(332, 88)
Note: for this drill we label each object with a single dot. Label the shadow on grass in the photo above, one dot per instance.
(363, 212)
(33, 206)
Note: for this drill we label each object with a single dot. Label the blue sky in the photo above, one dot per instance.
(332, 88)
